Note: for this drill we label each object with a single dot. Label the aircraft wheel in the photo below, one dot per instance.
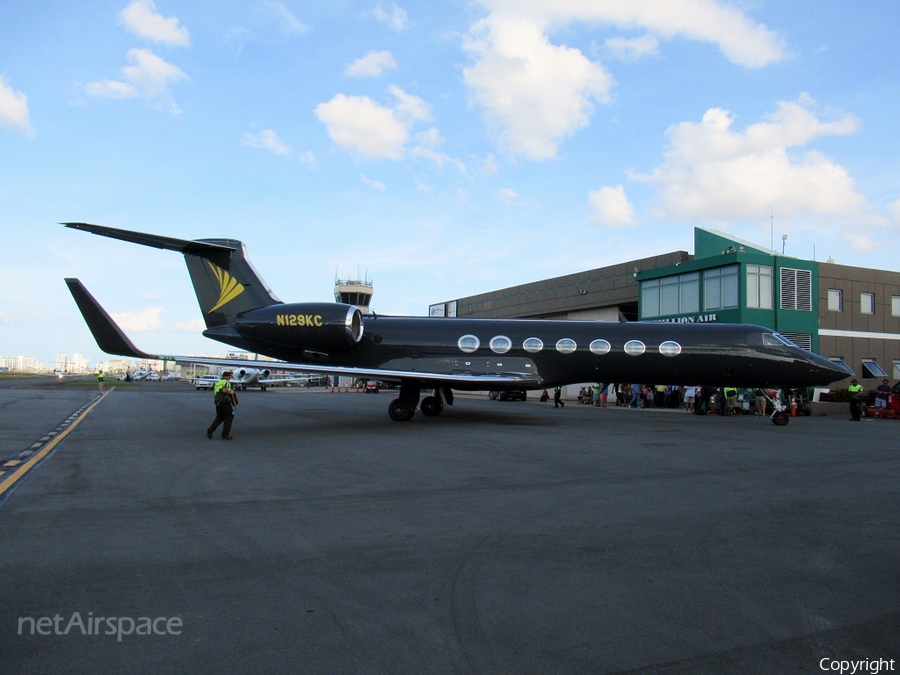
(399, 413)
(431, 406)
(780, 418)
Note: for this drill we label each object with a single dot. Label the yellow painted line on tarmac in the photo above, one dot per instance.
(21, 471)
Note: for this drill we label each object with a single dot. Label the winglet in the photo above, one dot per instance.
(108, 335)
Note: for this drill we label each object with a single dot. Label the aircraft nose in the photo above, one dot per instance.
(836, 370)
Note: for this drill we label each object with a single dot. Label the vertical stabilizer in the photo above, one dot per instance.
(226, 285)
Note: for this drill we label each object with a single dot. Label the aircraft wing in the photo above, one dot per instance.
(112, 340)
(282, 380)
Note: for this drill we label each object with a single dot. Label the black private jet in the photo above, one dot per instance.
(438, 355)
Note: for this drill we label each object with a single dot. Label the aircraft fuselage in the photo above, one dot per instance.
(544, 353)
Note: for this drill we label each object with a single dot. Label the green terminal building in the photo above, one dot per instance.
(844, 313)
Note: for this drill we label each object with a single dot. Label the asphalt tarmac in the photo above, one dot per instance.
(500, 537)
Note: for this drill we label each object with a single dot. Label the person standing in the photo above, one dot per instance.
(225, 400)
(856, 398)
(760, 400)
(557, 398)
(882, 394)
(730, 400)
(101, 380)
(689, 393)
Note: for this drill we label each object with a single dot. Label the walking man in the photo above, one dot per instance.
(857, 396)
(557, 398)
(225, 400)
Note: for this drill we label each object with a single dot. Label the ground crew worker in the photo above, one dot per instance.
(557, 398)
(730, 400)
(856, 398)
(101, 380)
(225, 400)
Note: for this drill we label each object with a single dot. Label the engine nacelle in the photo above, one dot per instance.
(261, 374)
(325, 326)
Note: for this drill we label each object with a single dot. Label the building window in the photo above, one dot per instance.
(866, 303)
(870, 369)
(895, 305)
(671, 295)
(720, 288)
(835, 300)
(839, 360)
(759, 286)
(896, 374)
(796, 289)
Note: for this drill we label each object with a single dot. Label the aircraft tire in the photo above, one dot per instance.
(431, 406)
(780, 418)
(399, 413)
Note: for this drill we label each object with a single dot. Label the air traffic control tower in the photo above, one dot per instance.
(354, 292)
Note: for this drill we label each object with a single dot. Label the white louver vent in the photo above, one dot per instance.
(802, 340)
(796, 289)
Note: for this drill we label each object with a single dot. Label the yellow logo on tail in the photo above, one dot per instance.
(229, 288)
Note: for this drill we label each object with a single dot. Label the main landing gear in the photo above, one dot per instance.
(403, 408)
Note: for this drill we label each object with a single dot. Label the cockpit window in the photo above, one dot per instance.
(776, 340)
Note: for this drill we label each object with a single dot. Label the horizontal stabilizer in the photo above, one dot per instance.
(200, 248)
(108, 335)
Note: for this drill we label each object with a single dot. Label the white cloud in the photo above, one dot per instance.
(893, 211)
(632, 49)
(307, 158)
(373, 130)
(742, 40)
(427, 144)
(611, 207)
(861, 241)
(141, 18)
(392, 16)
(375, 184)
(192, 326)
(266, 139)
(372, 64)
(148, 319)
(14, 109)
(148, 78)
(289, 23)
(535, 93)
(508, 196)
(712, 171)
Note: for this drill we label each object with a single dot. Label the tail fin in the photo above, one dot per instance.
(224, 280)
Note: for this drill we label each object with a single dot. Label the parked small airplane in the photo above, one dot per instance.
(262, 378)
(442, 354)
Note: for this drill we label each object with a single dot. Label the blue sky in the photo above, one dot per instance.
(442, 148)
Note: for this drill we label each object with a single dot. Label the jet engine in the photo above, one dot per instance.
(262, 374)
(325, 326)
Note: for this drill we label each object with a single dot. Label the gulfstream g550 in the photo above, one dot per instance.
(442, 354)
